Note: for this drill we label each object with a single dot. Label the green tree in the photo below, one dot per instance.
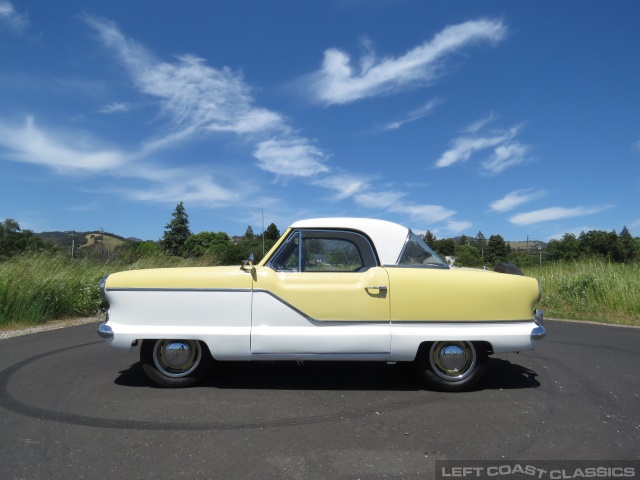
(176, 233)
(445, 247)
(496, 250)
(625, 248)
(14, 240)
(480, 243)
(272, 232)
(467, 256)
(248, 234)
(565, 249)
(201, 243)
(430, 239)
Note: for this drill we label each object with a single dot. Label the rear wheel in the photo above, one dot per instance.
(175, 363)
(452, 366)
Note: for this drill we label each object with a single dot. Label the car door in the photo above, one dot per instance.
(322, 293)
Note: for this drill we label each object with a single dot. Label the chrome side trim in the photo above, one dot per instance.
(161, 289)
(105, 331)
(457, 322)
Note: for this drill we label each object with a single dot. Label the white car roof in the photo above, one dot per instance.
(388, 238)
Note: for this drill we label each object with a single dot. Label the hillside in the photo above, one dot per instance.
(85, 240)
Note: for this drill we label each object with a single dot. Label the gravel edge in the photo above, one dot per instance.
(16, 332)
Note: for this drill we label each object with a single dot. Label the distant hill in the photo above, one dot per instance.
(86, 240)
(533, 245)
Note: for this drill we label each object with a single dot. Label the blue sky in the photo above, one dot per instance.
(511, 118)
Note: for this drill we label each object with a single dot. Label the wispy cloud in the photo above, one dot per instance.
(115, 107)
(63, 151)
(458, 226)
(11, 19)
(555, 213)
(505, 150)
(507, 155)
(515, 199)
(340, 82)
(465, 146)
(195, 96)
(291, 157)
(414, 115)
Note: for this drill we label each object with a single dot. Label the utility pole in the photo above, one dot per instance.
(73, 241)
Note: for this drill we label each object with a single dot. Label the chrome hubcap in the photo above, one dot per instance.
(177, 358)
(452, 361)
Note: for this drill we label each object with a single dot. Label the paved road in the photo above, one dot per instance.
(71, 407)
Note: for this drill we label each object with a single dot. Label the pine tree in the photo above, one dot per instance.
(176, 232)
(272, 232)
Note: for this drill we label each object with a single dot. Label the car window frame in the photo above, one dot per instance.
(364, 246)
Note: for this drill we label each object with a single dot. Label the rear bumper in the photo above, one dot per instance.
(539, 332)
(105, 331)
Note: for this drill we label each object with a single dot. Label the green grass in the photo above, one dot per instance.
(36, 288)
(590, 290)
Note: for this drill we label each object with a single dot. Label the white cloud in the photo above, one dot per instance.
(189, 188)
(554, 213)
(465, 146)
(506, 155)
(636, 146)
(346, 185)
(115, 107)
(12, 19)
(70, 152)
(339, 82)
(478, 125)
(414, 115)
(506, 150)
(290, 157)
(458, 226)
(195, 96)
(515, 199)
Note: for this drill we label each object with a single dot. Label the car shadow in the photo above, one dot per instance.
(349, 376)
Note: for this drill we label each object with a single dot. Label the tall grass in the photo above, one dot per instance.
(35, 288)
(594, 290)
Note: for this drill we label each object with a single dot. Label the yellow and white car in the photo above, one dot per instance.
(329, 289)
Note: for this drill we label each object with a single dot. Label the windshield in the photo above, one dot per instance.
(416, 253)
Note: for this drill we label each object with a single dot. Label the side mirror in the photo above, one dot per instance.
(248, 262)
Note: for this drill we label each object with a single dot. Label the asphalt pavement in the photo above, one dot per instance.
(72, 407)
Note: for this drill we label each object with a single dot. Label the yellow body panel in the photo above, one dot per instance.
(330, 296)
(182, 278)
(419, 294)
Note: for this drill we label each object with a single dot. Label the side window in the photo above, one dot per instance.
(287, 258)
(330, 255)
(417, 253)
(324, 251)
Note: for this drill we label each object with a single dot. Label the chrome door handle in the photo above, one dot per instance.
(379, 287)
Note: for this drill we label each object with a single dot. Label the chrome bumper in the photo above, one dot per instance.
(105, 331)
(539, 332)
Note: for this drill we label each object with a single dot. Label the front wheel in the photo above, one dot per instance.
(175, 363)
(452, 366)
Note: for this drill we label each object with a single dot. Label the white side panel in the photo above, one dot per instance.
(279, 329)
(503, 336)
(222, 319)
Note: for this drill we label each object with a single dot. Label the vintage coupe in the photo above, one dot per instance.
(329, 289)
